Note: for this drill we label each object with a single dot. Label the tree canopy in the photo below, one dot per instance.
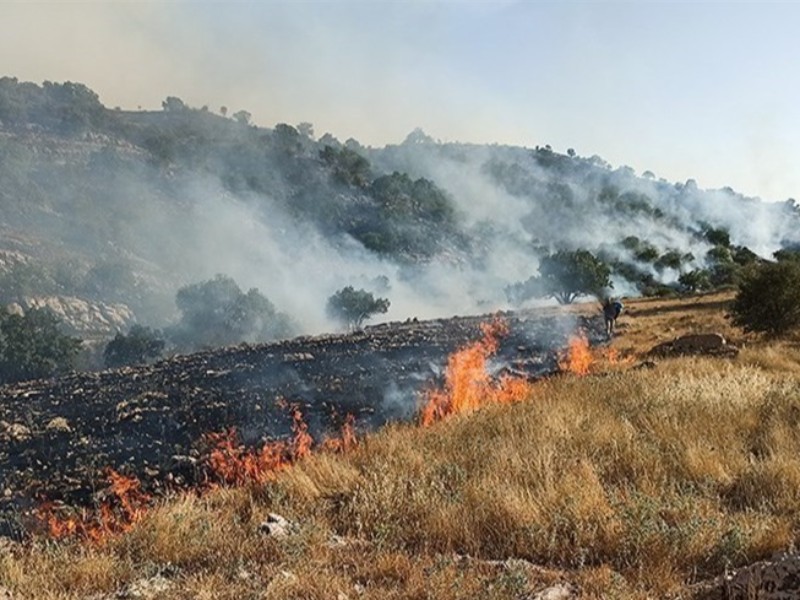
(352, 307)
(564, 275)
(140, 345)
(217, 313)
(32, 346)
(768, 299)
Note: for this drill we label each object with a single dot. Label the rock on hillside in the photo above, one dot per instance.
(81, 318)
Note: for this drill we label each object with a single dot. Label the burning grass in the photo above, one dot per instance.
(228, 463)
(126, 503)
(631, 485)
(468, 383)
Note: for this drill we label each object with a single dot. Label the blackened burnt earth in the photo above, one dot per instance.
(58, 436)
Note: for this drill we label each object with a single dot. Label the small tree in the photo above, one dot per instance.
(695, 280)
(353, 307)
(242, 117)
(566, 275)
(32, 346)
(768, 300)
(218, 313)
(141, 345)
(174, 104)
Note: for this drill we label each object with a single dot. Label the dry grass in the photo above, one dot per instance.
(630, 484)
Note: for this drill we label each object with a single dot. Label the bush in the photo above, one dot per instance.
(697, 280)
(768, 300)
(217, 313)
(32, 346)
(141, 345)
(352, 307)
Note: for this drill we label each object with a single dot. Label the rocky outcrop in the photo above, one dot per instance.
(10, 258)
(82, 318)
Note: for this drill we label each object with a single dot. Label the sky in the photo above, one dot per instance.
(701, 90)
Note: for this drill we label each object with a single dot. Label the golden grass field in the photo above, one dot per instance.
(627, 483)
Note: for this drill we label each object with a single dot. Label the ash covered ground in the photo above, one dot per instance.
(58, 436)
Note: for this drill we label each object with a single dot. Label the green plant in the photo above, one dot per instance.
(32, 346)
(353, 307)
(141, 345)
(565, 275)
(768, 300)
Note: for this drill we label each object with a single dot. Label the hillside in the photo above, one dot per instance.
(625, 483)
(119, 209)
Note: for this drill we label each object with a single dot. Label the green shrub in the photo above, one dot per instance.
(141, 345)
(32, 346)
(768, 300)
(352, 307)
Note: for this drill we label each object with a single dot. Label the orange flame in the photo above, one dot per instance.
(468, 384)
(228, 460)
(347, 439)
(233, 464)
(126, 505)
(613, 357)
(578, 358)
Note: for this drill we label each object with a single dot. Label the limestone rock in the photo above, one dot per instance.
(146, 589)
(15, 431)
(59, 425)
(82, 317)
(560, 591)
(277, 526)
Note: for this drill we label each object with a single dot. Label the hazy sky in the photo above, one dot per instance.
(709, 91)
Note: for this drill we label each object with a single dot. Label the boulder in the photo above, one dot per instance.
(560, 591)
(83, 318)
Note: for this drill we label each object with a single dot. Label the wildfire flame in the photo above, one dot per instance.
(232, 464)
(347, 439)
(228, 461)
(125, 505)
(613, 357)
(468, 384)
(578, 358)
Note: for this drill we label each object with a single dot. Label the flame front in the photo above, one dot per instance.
(578, 358)
(229, 462)
(233, 464)
(126, 504)
(468, 384)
